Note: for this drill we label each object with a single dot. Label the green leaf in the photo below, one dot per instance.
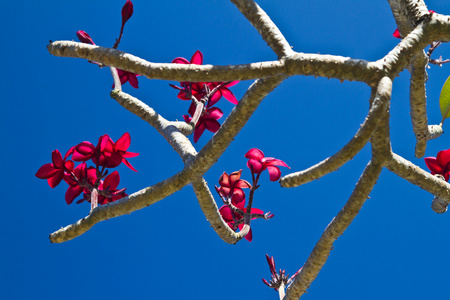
(444, 100)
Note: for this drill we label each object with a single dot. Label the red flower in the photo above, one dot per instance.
(227, 216)
(208, 120)
(231, 187)
(84, 175)
(54, 172)
(107, 189)
(107, 153)
(440, 164)
(258, 163)
(197, 89)
(127, 11)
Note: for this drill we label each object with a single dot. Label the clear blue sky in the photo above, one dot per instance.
(395, 249)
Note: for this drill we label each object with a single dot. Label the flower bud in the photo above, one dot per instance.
(84, 37)
(127, 11)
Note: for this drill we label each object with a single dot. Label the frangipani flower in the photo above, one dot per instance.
(257, 163)
(231, 187)
(54, 172)
(440, 164)
(198, 89)
(208, 120)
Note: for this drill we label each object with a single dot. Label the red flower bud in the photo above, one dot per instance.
(84, 37)
(127, 11)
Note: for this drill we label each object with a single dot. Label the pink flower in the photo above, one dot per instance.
(228, 215)
(107, 189)
(127, 11)
(257, 163)
(231, 187)
(54, 172)
(208, 120)
(107, 153)
(84, 37)
(126, 76)
(278, 279)
(84, 175)
(440, 164)
(198, 90)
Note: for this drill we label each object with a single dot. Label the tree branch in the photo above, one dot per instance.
(417, 176)
(330, 66)
(173, 132)
(381, 97)
(336, 228)
(264, 25)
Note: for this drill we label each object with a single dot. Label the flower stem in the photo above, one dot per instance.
(94, 199)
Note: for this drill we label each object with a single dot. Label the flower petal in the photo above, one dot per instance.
(211, 125)
(111, 181)
(180, 60)
(443, 158)
(57, 159)
(46, 171)
(199, 131)
(433, 165)
(396, 34)
(224, 180)
(73, 192)
(128, 164)
(274, 173)
(227, 94)
(123, 142)
(197, 58)
(254, 153)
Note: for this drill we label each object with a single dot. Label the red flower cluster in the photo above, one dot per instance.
(231, 191)
(439, 164)
(125, 76)
(207, 92)
(86, 180)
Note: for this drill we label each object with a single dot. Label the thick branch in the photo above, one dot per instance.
(332, 163)
(209, 208)
(330, 66)
(336, 228)
(419, 177)
(173, 132)
(408, 14)
(266, 28)
(127, 205)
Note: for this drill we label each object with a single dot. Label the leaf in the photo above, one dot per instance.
(444, 100)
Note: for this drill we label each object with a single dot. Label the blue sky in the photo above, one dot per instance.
(169, 249)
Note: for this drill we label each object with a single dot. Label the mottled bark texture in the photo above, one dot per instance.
(418, 28)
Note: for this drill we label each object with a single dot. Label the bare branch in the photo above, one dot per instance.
(418, 102)
(408, 14)
(336, 228)
(359, 140)
(419, 177)
(330, 66)
(173, 132)
(266, 28)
